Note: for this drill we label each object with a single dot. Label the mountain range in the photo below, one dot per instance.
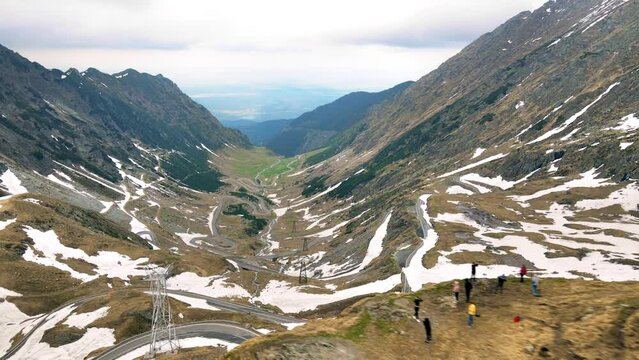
(521, 150)
(317, 128)
(80, 117)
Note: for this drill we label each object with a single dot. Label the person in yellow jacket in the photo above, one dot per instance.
(472, 312)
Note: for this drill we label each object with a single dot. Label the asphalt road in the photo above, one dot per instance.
(221, 304)
(223, 330)
(409, 257)
(239, 308)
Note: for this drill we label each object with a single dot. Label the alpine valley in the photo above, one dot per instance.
(522, 149)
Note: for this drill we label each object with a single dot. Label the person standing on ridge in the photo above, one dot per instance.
(473, 271)
(472, 312)
(468, 286)
(522, 272)
(417, 301)
(429, 333)
(535, 286)
(456, 290)
(501, 279)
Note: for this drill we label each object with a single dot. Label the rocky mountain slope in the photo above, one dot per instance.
(521, 150)
(531, 73)
(82, 118)
(317, 128)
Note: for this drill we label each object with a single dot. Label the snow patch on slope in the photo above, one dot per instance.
(573, 118)
(109, 263)
(586, 180)
(11, 182)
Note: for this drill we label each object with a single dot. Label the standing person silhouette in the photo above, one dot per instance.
(501, 279)
(429, 333)
(456, 290)
(522, 272)
(472, 312)
(473, 271)
(535, 286)
(468, 286)
(417, 301)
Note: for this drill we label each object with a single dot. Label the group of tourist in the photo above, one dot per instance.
(472, 310)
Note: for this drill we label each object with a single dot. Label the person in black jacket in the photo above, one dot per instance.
(501, 279)
(468, 286)
(429, 333)
(417, 301)
(473, 271)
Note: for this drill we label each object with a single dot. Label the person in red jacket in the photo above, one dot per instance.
(522, 272)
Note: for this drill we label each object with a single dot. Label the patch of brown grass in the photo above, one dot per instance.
(572, 318)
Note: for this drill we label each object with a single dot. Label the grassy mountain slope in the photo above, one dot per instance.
(315, 129)
(552, 326)
(512, 86)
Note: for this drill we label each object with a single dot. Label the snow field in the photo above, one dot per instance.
(478, 152)
(12, 320)
(109, 263)
(474, 179)
(12, 184)
(93, 339)
(586, 180)
(473, 165)
(627, 198)
(458, 190)
(214, 286)
(597, 262)
(82, 320)
(291, 299)
(573, 118)
(628, 123)
(5, 223)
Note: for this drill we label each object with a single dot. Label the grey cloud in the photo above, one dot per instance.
(421, 36)
(440, 26)
(36, 37)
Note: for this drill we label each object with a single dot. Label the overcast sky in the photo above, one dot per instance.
(340, 44)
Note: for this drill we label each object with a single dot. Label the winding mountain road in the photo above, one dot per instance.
(223, 330)
(240, 308)
(409, 257)
(219, 303)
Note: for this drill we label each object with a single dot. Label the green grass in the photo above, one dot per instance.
(279, 168)
(356, 332)
(257, 161)
(249, 162)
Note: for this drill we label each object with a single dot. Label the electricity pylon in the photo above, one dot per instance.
(303, 277)
(163, 335)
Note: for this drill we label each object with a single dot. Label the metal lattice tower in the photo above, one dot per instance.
(303, 276)
(163, 335)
